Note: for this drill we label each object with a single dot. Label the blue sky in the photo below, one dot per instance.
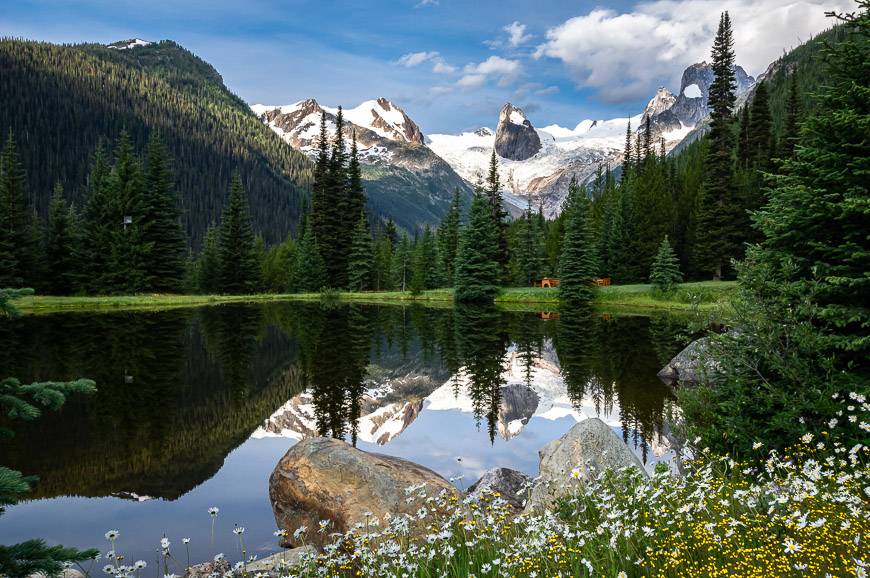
(449, 64)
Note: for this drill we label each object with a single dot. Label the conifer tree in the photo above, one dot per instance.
(95, 245)
(665, 271)
(13, 216)
(499, 215)
(477, 274)
(162, 221)
(760, 137)
(528, 254)
(209, 263)
(310, 269)
(402, 264)
(577, 263)
(743, 147)
(356, 194)
(383, 272)
(626, 155)
(335, 242)
(448, 238)
(240, 272)
(359, 263)
(60, 245)
(721, 215)
(791, 126)
(33, 265)
(26, 402)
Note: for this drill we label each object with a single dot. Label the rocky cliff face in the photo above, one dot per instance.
(404, 179)
(690, 106)
(515, 137)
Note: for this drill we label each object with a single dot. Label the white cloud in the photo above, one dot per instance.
(441, 67)
(416, 58)
(517, 33)
(624, 56)
(475, 75)
(424, 3)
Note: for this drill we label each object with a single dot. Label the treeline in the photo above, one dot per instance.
(126, 237)
(62, 101)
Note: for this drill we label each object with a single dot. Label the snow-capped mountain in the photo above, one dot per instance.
(404, 178)
(539, 163)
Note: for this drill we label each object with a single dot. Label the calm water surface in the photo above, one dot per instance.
(195, 406)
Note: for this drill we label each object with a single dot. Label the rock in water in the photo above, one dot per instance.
(690, 365)
(590, 447)
(513, 486)
(515, 138)
(328, 479)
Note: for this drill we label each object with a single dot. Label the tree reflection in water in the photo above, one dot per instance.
(178, 390)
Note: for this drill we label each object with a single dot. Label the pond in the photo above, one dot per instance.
(195, 406)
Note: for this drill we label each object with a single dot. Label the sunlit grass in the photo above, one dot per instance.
(687, 296)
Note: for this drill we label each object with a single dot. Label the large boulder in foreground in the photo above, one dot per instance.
(690, 365)
(328, 479)
(590, 447)
(511, 486)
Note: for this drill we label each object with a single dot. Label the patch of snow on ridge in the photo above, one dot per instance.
(692, 91)
(132, 43)
(516, 117)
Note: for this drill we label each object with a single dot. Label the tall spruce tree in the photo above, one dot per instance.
(528, 251)
(577, 263)
(162, 220)
(626, 155)
(791, 126)
(13, 216)
(665, 271)
(60, 242)
(802, 339)
(95, 243)
(448, 238)
(719, 226)
(499, 215)
(477, 274)
(359, 263)
(336, 244)
(310, 269)
(240, 272)
(355, 201)
(760, 137)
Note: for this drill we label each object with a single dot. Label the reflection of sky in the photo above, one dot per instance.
(240, 490)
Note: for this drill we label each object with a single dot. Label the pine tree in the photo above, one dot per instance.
(240, 272)
(448, 238)
(791, 127)
(310, 269)
(665, 271)
(528, 254)
(161, 219)
(335, 245)
(129, 252)
(499, 215)
(95, 243)
(13, 216)
(477, 274)
(209, 263)
(59, 245)
(402, 264)
(802, 329)
(27, 402)
(356, 194)
(743, 146)
(760, 134)
(626, 155)
(359, 263)
(33, 264)
(577, 263)
(719, 226)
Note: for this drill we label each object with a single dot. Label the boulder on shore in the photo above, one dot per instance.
(324, 479)
(690, 365)
(589, 447)
(511, 485)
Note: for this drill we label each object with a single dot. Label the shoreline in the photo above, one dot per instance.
(698, 296)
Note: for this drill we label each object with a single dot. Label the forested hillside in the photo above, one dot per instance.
(62, 101)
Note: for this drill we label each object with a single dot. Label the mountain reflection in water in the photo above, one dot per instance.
(179, 390)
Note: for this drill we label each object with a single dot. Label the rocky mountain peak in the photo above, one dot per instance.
(515, 137)
(691, 103)
(387, 119)
(483, 131)
(662, 101)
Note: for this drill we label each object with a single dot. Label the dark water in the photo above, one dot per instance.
(195, 406)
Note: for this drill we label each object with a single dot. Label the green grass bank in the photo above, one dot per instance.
(706, 295)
